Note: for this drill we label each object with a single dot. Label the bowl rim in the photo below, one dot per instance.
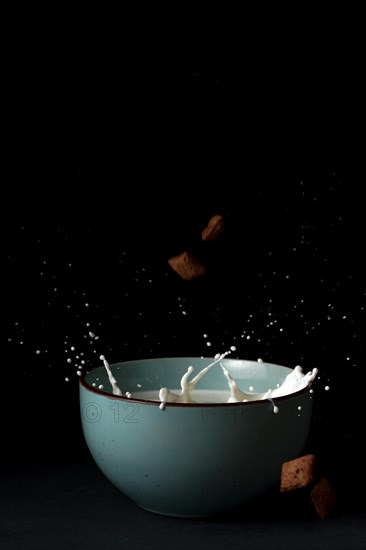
(157, 403)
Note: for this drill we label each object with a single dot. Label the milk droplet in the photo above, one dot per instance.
(275, 408)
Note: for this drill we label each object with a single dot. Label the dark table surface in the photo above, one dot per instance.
(117, 152)
(72, 505)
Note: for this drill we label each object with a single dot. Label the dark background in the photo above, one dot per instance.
(122, 138)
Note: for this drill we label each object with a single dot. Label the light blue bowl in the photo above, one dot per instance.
(192, 460)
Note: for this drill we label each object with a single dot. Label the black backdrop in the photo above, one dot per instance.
(118, 151)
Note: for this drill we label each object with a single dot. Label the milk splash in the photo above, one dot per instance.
(185, 396)
(115, 388)
(294, 381)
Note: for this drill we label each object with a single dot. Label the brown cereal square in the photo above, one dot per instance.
(214, 228)
(323, 497)
(187, 265)
(298, 473)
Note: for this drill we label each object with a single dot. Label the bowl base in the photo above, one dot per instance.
(175, 515)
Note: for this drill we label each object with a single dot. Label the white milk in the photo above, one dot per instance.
(201, 396)
(185, 396)
(115, 389)
(294, 381)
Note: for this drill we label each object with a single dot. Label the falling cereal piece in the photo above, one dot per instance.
(323, 497)
(214, 228)
(187, 266)
(298, 473)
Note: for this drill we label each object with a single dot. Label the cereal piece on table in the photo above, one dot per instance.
(298, 472)
(187, 266)
(214, 228)
(323, 497)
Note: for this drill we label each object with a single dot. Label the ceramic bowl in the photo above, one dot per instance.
(191, 460)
